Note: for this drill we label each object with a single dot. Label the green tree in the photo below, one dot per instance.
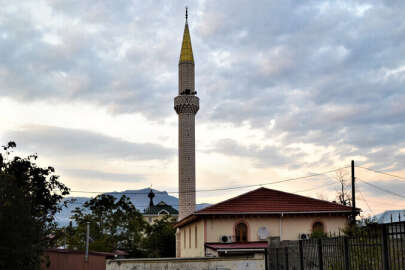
(114, 224)
(30, 196)
(160, 240)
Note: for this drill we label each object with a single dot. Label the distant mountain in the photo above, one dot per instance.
(390, 216)
(139, 198)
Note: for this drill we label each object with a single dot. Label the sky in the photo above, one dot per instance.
(287, 89)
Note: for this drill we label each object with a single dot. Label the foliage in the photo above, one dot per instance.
(28, 203)
(114, 224)
(318, 234)
(161, 239)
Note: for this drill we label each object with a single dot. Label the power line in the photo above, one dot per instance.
(364, 199)
(216, 189)
(381, 172)
(314, 188)
(297, 191)
(382, 189)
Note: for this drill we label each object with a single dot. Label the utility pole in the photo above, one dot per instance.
(86, 256)
(353, 195)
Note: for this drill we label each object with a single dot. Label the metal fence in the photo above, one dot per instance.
(376, 247)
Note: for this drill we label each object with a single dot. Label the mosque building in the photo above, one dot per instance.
(243, 224)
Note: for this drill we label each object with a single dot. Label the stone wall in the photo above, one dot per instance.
(235, 263)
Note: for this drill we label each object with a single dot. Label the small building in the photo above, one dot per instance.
(65, 259)
(243, 224)
(158, 211)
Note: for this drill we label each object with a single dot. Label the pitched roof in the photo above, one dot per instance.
(162, 206)
(264, 200)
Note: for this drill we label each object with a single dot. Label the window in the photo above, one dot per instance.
(185, 235)
(241, 232)
(317, 227)
(195, 232)
(189, 237)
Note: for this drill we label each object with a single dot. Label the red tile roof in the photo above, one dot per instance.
(247, 245)
(267, 201)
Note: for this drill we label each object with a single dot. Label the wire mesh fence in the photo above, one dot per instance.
(375, 247)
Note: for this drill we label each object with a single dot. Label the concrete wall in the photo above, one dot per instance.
(240, 263)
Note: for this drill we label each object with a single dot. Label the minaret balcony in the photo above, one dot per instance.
(186, 104)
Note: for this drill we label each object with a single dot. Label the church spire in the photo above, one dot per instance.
(186, 54)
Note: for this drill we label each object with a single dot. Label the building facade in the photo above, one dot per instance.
(241, 225)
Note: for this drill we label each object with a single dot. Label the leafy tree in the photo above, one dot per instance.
(114, 224)
(30, 196)
(160, 241)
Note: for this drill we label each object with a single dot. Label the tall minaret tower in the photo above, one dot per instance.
(186, 105)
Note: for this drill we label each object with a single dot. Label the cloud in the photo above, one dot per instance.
(264, 157)
(325, 75)
(56, 141)
(102, 176)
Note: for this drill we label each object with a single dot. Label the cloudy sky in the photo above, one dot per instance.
(287, 89)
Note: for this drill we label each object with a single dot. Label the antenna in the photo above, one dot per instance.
(186, 14)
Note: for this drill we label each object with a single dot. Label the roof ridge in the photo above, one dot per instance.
(233, 198)
(306, 197)
(325, 202)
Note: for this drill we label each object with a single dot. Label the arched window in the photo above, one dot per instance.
(318, 227)
(241, 232)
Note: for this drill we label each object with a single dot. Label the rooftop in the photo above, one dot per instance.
(268, 201)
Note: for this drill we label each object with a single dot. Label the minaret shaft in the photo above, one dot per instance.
(186, 77)
(187, 194)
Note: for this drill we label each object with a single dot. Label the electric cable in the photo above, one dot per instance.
(215, 189)
(381, 172)
(382, 189)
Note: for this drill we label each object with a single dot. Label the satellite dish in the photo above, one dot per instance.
(263, 233)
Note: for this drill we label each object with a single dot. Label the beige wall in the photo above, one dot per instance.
(193, 251)
(291, 228)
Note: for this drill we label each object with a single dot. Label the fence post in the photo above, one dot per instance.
(386, 258)
(346, 253)
(301, 249)
(286, 257)
(320, 255)
(277, 261)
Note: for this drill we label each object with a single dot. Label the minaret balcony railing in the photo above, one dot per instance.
(186, 104)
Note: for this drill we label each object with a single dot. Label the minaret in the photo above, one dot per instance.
(186, 105)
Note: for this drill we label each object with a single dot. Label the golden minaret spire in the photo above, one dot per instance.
(186, 54)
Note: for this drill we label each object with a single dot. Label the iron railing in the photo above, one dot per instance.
(375, 247)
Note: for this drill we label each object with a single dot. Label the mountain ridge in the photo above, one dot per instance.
(138, 197)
